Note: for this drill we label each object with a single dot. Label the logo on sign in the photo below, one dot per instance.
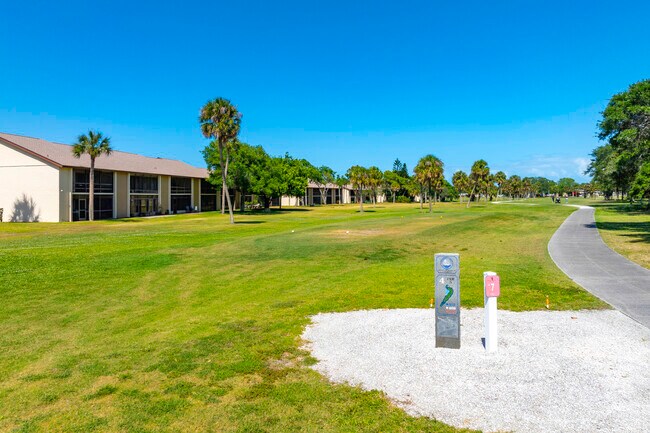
(450, 292)
(446, 263)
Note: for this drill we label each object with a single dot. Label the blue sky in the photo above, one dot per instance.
(520, 84)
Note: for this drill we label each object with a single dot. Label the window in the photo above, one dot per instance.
(103, 181)
(144, 205)
(207, 187)
(208, 202)
(208, 196)
(103, 207)
(181, 185)
(81, 181)
(181, 203)
(144, 184)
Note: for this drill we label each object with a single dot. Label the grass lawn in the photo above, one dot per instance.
(187, 323)
(625, 228)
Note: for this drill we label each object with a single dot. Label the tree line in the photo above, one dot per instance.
(235, 165)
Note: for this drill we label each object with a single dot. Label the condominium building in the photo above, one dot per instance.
(43, 181)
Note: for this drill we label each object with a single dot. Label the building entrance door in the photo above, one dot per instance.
(83, 209)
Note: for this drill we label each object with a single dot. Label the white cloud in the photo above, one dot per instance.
(552, 167)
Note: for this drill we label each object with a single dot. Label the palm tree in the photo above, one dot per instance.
(479, 178)
(375, 181)
(499, 179)
(461, 182)
(341, 182)
(94, 144)
(527, 186)
(515, 185)
(429, 171)
(220, 121)
(359, 179)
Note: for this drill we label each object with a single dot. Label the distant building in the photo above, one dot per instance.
(335, 195)
(43, 181)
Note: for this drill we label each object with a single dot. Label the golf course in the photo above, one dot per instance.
(188, 323)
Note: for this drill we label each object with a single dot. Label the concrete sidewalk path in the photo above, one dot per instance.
(579, 251)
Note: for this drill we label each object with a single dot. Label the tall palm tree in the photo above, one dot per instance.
(478, 178)
(375, 181)
(429, 172)
(460, 181)
(499, 179)
(515, 185)
(94, 145)
(527, 186)
(220, 121)
(359, 179)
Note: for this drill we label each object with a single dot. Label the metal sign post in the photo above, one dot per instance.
(447, 295)
(492, 290)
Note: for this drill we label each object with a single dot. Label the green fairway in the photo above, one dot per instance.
(187, 323)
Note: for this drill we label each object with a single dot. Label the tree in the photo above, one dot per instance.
(499, 178)
(211, 158)
(542, 185)
(296, 174)
(270, 180)
(429, 173)
(641, 185)
(359, 178)
(221, 121)
(393, 182)
(566, 185)
(626, 121)
(625, 126)
(375, 182)
(461, 183)
(515, 186)
(324, 177)
(527, 186)
(400, 168)
(341, 182)
(478, 178)
(94, 145)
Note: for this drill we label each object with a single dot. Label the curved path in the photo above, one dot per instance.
(579, 251)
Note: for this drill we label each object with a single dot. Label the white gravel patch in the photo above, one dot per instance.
(569, 371)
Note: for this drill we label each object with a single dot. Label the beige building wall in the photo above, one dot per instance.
(121, 197)
(29, 187)
(65, 194)
(346, 196)
(165, 193)
(287, 200)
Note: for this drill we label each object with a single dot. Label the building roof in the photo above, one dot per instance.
(61, 156)
(312, 184)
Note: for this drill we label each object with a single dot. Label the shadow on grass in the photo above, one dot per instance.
(638, 231)
(623, 207)
(274, 211)
(249, 222)
(123, 220)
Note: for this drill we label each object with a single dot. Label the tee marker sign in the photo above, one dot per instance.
(447, 300)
